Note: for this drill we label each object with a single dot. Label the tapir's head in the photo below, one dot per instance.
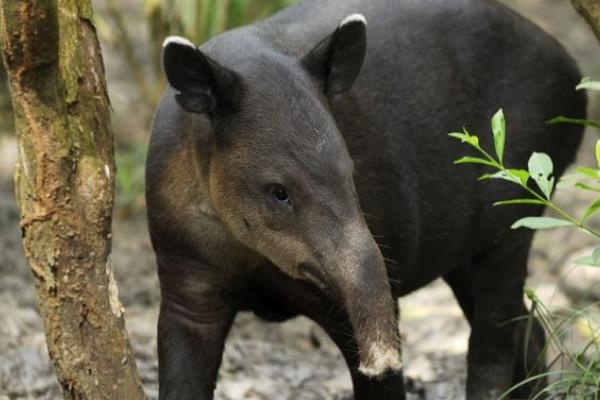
(279, 174)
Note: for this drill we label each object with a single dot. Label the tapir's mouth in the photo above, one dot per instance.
(313, 274)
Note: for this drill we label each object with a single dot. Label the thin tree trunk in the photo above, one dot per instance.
(65, 186)
(590, 11)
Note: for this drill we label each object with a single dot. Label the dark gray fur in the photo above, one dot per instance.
(431, 67)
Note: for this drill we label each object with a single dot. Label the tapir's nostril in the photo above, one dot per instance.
(313, 274)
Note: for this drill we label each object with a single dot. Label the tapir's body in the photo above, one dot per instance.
(431, 67)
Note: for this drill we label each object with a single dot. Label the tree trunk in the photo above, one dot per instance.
(65, 187)
(590, 11)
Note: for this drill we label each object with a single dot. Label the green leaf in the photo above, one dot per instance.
(598, 152)
(540, 169)
(589, 172)
(499, 132)
(566, 120)
(587, 261)
(503, 175)
(596, 254)
(519, 201)
(540, 223)
(529, 292)
(591, 210)
(459, 135)
(466, 138)
(520, 174)
(588, 83)
(473, 141)
(585, 186)
(474, 160)
(592, 261)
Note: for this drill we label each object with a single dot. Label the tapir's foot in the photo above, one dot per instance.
(388, 387)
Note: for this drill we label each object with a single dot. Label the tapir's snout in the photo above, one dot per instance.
(356, 270)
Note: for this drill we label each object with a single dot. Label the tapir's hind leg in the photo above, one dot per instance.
(490, 292)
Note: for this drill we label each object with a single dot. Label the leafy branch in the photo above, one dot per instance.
(540, 170)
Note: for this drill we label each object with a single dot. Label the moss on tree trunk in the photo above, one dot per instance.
(65, 187)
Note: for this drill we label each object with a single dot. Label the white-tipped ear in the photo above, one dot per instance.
(177, 40)
(354, 18)
(202, 84)
(336, 60)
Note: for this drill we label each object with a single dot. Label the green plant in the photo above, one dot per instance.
(540, 169)
(579, 373)
(200, 20)
(130, 178)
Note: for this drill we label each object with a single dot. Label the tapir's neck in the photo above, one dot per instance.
(183, 179)
(184, 195)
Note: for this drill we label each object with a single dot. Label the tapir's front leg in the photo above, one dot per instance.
(195, 317)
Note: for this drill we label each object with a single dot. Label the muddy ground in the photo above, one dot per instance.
(293, 360)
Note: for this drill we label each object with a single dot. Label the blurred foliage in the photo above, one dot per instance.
(199, 20)
(130, 179)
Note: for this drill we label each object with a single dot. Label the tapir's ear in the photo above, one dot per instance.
(338, 58)
(202, 83)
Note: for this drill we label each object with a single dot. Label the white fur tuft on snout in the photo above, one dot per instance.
(354, 18)
(179, 40)
(380, 361)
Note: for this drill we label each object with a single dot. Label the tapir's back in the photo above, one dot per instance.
(432, 67)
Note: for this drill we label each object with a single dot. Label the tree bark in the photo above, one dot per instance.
(590, 11)
(65, 187)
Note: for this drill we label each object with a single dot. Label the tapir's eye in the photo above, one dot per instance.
(279, 193)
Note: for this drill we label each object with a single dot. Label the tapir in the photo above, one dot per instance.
(301, 166)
